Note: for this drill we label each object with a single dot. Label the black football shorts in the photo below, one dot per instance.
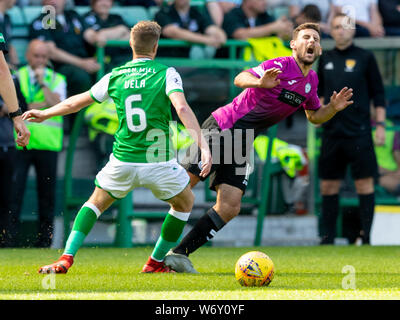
(231, 153)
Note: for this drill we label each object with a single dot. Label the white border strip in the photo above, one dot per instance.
(93, 207)
(183, 216)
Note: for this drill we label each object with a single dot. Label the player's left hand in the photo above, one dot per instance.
(341, 100)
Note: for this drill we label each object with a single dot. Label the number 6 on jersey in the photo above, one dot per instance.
(131, 111)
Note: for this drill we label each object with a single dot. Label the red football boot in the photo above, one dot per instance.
(153, 266)
(60, 266)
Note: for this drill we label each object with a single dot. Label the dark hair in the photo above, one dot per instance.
(304, 26)
(93, 2)
(312, 13)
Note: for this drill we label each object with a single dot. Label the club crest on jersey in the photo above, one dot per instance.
(350, 64)
(329, 66)
(307, 88)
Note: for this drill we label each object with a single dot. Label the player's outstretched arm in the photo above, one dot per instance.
(338, 102)
(71, 105)
(268, 80)
(189, 120)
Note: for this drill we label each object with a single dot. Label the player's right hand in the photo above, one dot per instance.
(206, 162)
(34, 115)
(269, 80)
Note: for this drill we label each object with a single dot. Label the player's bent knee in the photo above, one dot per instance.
(228, 211)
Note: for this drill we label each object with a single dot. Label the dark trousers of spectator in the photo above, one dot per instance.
(392, 31)
(362, 31)
(7, 164)
(45, 164)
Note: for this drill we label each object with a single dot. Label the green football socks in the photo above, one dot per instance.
(171, 231)
(84, 222)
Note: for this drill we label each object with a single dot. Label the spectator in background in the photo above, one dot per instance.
(218, 8)
(390, 12)
(6, 30)
(180, 21)
(388, 158)
(251, 20)
(297, 13)
(143, 3)
(8, 220)
(365, 14)
(10, 114)
(67, 37)
(310, 13)
(7, 156)
(82, 2)
(108, 27)
(41, 88)
(346, 138)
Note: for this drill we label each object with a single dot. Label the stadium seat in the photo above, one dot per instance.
(16, 15)
(19, 27)
(20, 45)
(197, 2)
(31, 12)
(152, 12)
(131, 15)
(280, 11)
(82, 9)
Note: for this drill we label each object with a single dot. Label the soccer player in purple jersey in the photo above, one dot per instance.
(272, 91)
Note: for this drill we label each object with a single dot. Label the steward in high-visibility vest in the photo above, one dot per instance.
(101, 117)
(290, 156)
(384, 153)
(47, 135)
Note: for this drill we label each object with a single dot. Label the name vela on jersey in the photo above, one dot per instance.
(129, 84)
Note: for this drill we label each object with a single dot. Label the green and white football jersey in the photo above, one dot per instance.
(140, 90)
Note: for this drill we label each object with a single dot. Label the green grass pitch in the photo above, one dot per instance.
(301, 273)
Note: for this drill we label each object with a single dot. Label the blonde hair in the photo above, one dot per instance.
(144, 36)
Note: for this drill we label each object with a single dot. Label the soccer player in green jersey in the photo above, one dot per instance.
(142, 156)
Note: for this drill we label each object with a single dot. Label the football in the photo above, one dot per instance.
(254, 269)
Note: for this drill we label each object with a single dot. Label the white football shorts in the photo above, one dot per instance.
(165, 180)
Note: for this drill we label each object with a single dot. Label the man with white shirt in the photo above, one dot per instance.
(251, 20)
(366, 14)
(41, 88)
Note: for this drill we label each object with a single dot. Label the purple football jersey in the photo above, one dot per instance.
(258, 108)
